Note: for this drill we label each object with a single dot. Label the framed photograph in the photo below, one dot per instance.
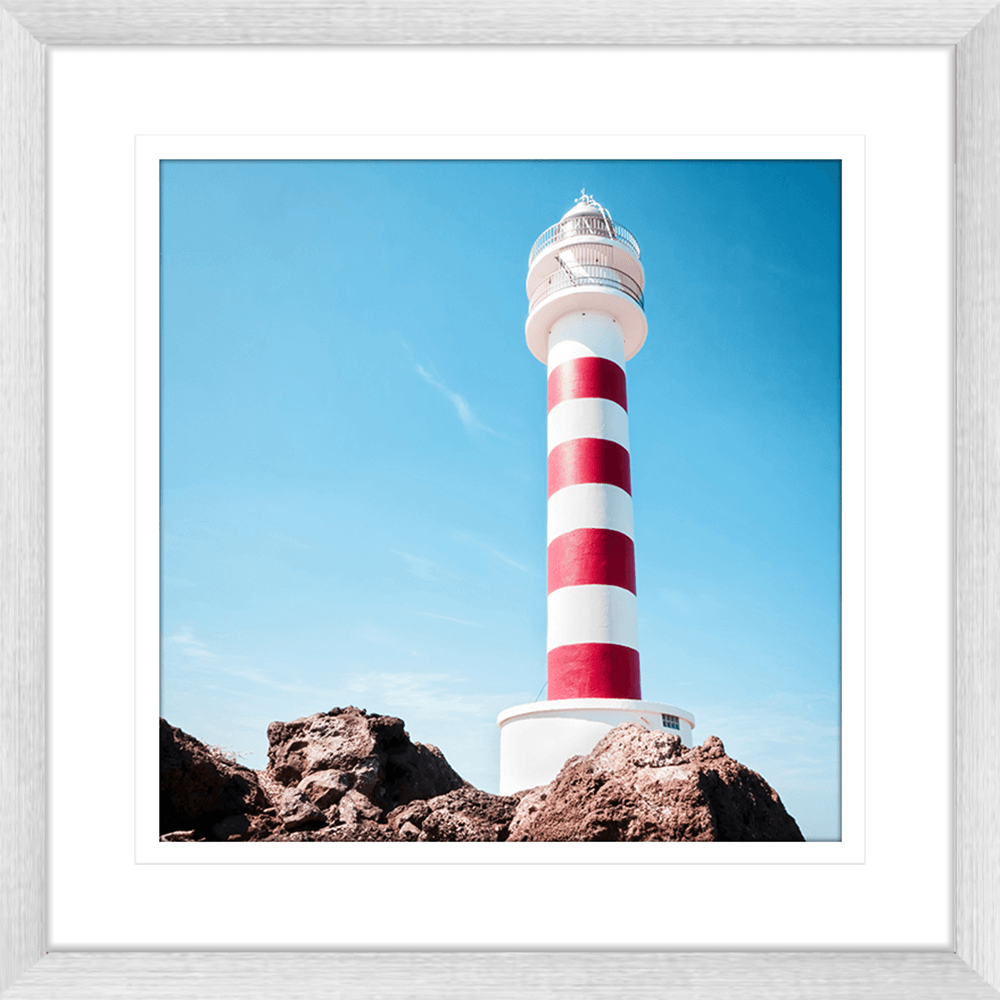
(96, 915)
(442, 622)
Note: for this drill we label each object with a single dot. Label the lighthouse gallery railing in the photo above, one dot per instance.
(584, 225)
(574, 275)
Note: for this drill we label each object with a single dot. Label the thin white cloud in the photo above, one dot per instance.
(469, 420)
(190, 646)
(419, 566)
(779, 739)
(464, 536)
(429, 695)
(442, 707)
(446, 618)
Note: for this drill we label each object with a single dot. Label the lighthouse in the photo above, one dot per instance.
(586, 319)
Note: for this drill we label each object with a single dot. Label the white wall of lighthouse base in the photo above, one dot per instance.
(537, 739)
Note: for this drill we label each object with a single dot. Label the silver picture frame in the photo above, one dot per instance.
(27, 28)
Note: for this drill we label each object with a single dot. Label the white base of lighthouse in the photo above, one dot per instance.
(537, 739)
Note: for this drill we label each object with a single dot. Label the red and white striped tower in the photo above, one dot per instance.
(586, 318)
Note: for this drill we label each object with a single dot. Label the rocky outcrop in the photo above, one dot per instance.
(464, 814)
(355, 766)
(330, 776)
(204, 795)
(642, 785)
(345, 775)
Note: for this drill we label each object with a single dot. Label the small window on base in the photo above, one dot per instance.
(671, 722)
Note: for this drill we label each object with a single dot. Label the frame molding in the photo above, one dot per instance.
(27, 27)
(977, 498)
(515, 22)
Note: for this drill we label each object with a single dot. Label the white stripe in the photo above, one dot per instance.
(594, 335)
(592, 613)
(587, 418)
(589, 505)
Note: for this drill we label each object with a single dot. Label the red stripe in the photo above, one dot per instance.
(593, 670)
(592, 555)
(589, 460)
(587, 378)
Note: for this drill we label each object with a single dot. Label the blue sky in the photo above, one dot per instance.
(353, 450)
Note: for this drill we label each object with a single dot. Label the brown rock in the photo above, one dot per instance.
(364, 830)
(231, 828)
(355, 806)
(296, 812)
(345, 775)
(468, 814)
(374, 751)
(642, 785)
(325, 788)
(200, 787)
(412, 813)
(339, 740)
(412, 770)
(261, 827)
(178, 836)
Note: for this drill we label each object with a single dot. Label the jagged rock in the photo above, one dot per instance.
(296, 812)
(178, 836)
(374, 751)
(460, 815)
(200, 788)
(642, 785)
(325, 788)
(364, 831)
(355, 806)
(468, 814)
(345, 775)
(337, 740)
(412, 813)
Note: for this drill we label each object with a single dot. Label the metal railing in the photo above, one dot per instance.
(584, 225)
(588, 253)
(576, 275)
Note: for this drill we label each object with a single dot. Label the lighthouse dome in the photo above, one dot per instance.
(584, 207)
